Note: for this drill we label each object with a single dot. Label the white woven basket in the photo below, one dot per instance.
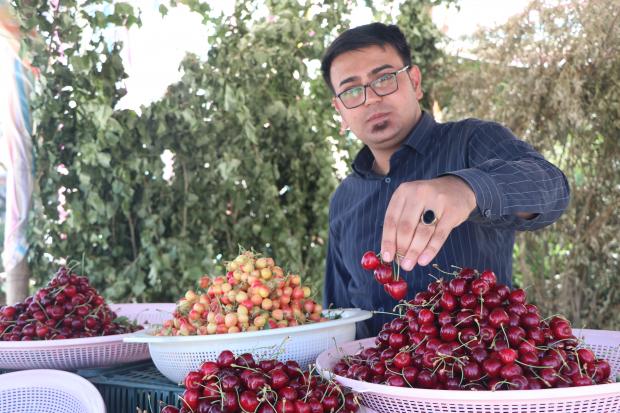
(84, 353)
(602, 398)
(48, 391)
(178, 355)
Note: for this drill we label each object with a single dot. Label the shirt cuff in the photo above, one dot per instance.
(488, 195)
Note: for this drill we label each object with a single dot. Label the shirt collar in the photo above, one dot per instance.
(418, 139)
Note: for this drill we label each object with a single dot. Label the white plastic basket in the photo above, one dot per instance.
(178, 355)
(48, 391)
(145, 314)
(84, 353)
(602, 398)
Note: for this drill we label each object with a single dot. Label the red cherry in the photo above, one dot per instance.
(208, 369)
(330, 403)
(581, 380)
(445, 317)
(426, 316)
(479, 287)
(490, 277)
(510, 370)
(230, 404)
(396, 289)
(498, 317)
(487, 333)
(429, 330)
(230, 382)
(530, 320)
(351, 404)
(193, 380)
(383, 274)
(300, 406)
(492, 300)
(518, 382)
(467, 273)
(246, 360)
(586, 356)
(448, 332)
(248, 400)
(602, 370)
(279, 379)
(469, 301)
(256, 382)
(396, 381)
(266, 365)
(402, 359)
(515, 336)
(225, 359)
(426, 379)
(370, 261)
(266, 408)
(447, 301)
(529, 358)
(549, 377)
(472, 371)
(503, 291)
(561, 330)
(169, 409)
(457, 286)
(517, 296)
(288, 393)
(190, 399)
(507, 355)
(315, 406)
(397, 340)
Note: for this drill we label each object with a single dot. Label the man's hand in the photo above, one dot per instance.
(449, 197)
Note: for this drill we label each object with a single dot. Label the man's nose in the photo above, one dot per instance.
(371, 96)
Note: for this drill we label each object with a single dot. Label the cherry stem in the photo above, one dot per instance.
(436, 266)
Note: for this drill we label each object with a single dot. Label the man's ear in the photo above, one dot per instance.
(416, 81)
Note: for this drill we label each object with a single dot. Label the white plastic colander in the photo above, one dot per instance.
(178, 355)
(48, 391)
(85, 353)
(602, 398)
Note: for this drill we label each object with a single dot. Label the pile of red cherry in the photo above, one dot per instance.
(395, 286)
(68, 307)
(240, 384)
(472, 332)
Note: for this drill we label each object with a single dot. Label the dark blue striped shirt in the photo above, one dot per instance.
(506, 174)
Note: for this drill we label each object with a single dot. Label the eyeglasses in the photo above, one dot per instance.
(383, 86)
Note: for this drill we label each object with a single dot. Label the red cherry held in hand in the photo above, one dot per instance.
(383, 274)
(370, 261)
(396, 289)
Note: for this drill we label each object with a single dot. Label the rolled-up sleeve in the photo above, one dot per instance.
(508, 176)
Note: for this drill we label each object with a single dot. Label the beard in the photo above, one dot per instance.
(380, 127)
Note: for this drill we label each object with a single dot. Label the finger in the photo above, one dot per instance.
(407, 227)
(422, 236)
(440, 235)
(390, 225)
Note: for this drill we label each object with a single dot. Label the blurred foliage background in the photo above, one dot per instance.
(256, 144)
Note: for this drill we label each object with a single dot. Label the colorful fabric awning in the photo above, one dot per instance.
(16, 78)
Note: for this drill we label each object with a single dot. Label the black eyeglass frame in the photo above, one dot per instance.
(370, 85)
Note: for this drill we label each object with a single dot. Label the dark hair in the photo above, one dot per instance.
(374, 34)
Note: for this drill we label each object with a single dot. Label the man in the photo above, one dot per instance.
(420, 191)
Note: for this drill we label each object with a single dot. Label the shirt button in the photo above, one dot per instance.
(487, 213)
(388, 180)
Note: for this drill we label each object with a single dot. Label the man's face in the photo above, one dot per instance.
(382, 122)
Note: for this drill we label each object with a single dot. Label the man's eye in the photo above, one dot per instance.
(383, 78)
(356, 91)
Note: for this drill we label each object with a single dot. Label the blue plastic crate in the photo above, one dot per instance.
(132, 388)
